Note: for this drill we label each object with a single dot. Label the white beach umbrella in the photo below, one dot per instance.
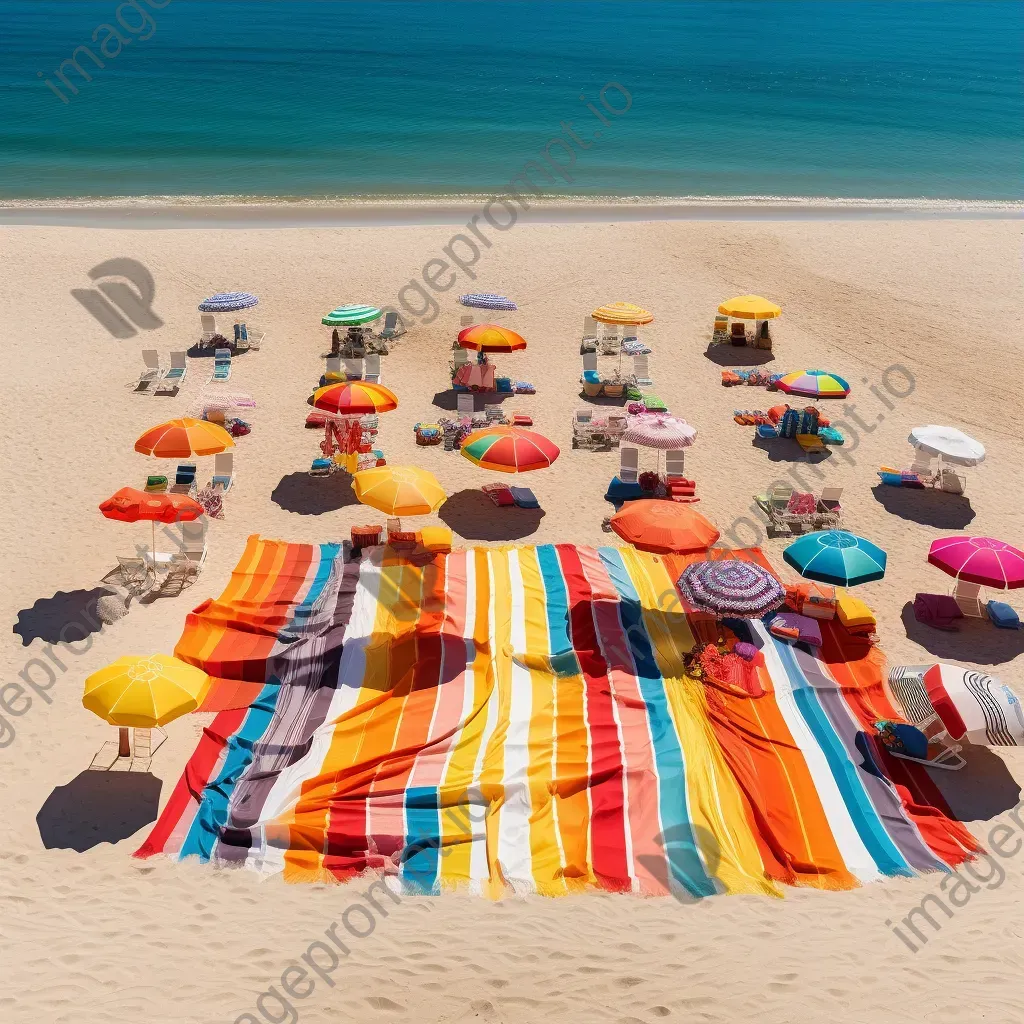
(949, 444)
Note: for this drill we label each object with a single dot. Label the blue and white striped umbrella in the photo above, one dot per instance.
(228, 302)
(487, 300)
(351, 316)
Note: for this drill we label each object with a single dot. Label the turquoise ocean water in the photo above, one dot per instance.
(294, 98)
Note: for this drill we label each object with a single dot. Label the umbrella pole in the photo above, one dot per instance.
(124, 748)
(152, 523)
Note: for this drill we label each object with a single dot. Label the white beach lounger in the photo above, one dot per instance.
(223, 471)
(629, 464)
(209, 328)
(642, 371)
(371, 368)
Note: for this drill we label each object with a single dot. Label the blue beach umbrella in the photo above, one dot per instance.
(837, 557)
(228, 302)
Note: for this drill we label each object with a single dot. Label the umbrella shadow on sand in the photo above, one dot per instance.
(738, 355)
(98, 807)
(472, 515)
(975, 640)
(925, 506)
(67, 617)
(314, 495)
(449, 400)
(981, 791)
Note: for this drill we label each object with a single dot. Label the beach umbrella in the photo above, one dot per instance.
(228, 302)
(730, 588)
(144, 692)
(750, 307)
(948, 443)
(982, 560)
(180, 439)
(399, 490)
(664, 527)
(836, 557)
(487, 300)
(509, 449)
(491, 338)
(974, 706)
(351, 316)
(667, 433)
(354, 398)
(814, 384)
(130, 505)
(619, 313)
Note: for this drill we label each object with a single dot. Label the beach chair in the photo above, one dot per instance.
(174, 377)
(968, 598)
(589, 328)
(353, 368)
(393, 327)
(221, 365)
(674, 464)
(590, 362)
(829, 502)
(738, 333)
(151, 373)
(184, 479)
(333, 365)
(464, 405)
(907, 685)
(187, 562)
(371, 369)
(223, 467)
(136, 575)
(629, 464)
(608, 345)
(642, 371)
(209, 325)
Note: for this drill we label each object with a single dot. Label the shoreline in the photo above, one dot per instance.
(279, 212)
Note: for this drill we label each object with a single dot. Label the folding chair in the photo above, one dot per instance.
(641, 371)
(968, 598)
(371, 369)
(629, 465)
(907, 685)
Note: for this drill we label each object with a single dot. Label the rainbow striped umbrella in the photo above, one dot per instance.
(509, 449)
(814, 384)
(354, 398)
(351, 316)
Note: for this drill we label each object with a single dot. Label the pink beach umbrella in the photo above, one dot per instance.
(666, 433)
(984, 561)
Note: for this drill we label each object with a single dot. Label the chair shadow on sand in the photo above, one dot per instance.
(738, 355)
(68, 616)
(925, 506)
(449, 400)
(98, 807)
(308, 495)
(620, 402)
(472, 515)
(975, 640)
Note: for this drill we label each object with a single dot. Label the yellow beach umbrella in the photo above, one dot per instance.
(399, 490)
(750, 307)
(622, 313)
(144, 692)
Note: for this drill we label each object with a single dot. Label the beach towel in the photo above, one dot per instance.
(940, 611)
(524, 719)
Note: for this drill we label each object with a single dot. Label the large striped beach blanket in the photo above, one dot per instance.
(522, 719)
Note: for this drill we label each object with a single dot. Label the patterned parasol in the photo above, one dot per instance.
(731, 589)
(667, 433)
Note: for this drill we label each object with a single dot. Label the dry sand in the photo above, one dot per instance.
(97, 936)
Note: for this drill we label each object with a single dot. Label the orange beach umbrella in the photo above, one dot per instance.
(491, 338)
(664, 527)
(180, 439)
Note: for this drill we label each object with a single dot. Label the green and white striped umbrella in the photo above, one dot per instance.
(351, 316)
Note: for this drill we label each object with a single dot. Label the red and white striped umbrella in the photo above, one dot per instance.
(666, 433)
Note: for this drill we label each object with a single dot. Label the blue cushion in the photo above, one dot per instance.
(591, 377)
(321, 464)
(1003, 616)
(524, 497)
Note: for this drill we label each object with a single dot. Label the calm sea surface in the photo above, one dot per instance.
(295, 98)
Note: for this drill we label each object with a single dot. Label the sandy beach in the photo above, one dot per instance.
(920, 314)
